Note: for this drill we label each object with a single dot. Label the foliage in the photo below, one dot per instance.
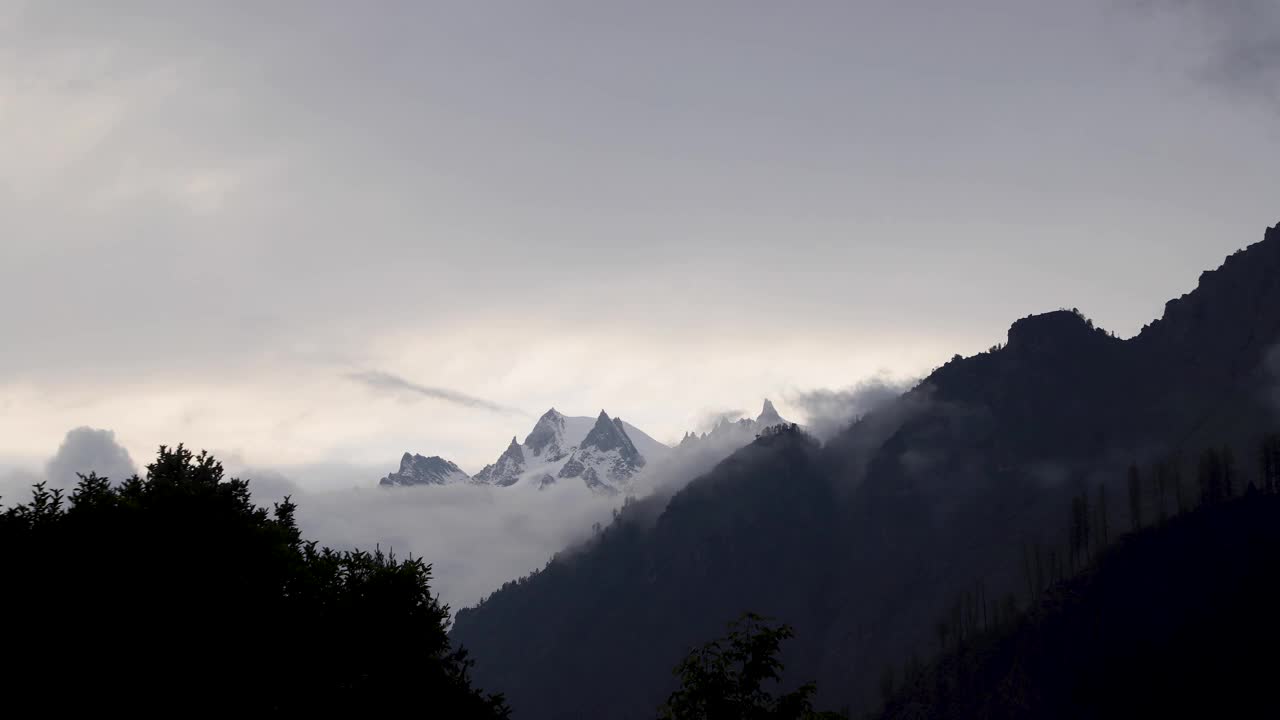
(1160, 626)
(1150, 626)
(730, 678)
(174, 591)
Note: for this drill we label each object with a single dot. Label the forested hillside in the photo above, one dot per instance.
(1174, 621)
(863, 543)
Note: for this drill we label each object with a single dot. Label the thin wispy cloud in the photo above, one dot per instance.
(829, 411)
(688, 277)
(713, 418)
(387, 382)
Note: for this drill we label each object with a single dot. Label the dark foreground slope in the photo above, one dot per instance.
(1179, 621)
(863, 543)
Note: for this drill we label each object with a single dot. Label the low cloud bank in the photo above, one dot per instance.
(86, 450)
(83, 450)
(827, 412)
(476, 537)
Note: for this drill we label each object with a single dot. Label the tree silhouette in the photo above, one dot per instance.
(727, 678)
(1211, 477)
(1228, 472)
(1160, 490)
(1103, 527)
(1270, 462)
(1135, 498)
(173, 592)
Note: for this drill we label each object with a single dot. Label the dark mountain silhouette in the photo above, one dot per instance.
(1161, 626)
(863, 543)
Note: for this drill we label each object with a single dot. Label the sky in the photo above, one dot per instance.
(310, 236)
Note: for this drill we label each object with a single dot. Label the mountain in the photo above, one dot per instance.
(606, 458)
(507, 471)
(1165, 624)
(419, 470)
(739, 432)
(604, 454)
(607, 455)
(862, 543)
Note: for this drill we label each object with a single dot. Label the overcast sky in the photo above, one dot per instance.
(328, 232)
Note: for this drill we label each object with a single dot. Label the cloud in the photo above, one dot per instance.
(1243, 36)
(829, 411)
(269, 486)
(710, 419)
(86, 450)
(83, 450)
(386, 382)
(15, 485)
(476, 537)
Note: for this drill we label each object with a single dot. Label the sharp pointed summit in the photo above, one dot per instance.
(507, 470)
(729, 434)
(608, 434)
(604, 452)
(547, 439)
(769, 416)
(606, 457)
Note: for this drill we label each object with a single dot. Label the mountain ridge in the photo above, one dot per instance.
(860, 543)
(419, 470)
(605, 453)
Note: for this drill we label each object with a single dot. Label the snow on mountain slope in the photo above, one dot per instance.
(651, 449)
(419, 470)
(601, 453)
(572, 431)
(606, 455)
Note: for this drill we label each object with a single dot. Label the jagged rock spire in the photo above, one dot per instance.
(769, 415)
(609, 434)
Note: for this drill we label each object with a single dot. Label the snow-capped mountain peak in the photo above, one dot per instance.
(419, 470)
(606, 459)
(605, 453)
(507, 470)
(547, 439)
(609, 434)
